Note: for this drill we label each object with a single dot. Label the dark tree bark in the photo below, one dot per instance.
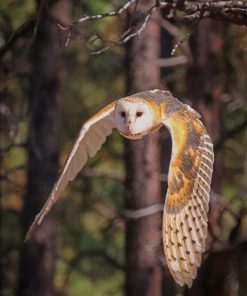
(205, 88)
(37, 262)
(168, 283)
(143, 236)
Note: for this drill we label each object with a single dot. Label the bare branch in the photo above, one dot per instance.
(126, 36)
(112, 13)
(172, 62)
(234, 11)
(98, 16)
(140, 213)
(24, 29)
(231, 11)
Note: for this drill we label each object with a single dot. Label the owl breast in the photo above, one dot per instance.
(133, 136)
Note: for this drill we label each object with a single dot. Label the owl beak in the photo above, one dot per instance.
(128, 124)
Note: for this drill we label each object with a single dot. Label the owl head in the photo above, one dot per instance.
(133, 117)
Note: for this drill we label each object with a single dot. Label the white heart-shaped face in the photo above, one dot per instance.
(133, 118)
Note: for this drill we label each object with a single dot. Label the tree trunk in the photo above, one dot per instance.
(205, 88)
(143, 236)
(168, 283)
(37, 262)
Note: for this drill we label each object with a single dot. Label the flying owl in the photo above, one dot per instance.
(189, 178)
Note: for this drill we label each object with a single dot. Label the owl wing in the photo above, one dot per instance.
(187, 200)
(91, 137)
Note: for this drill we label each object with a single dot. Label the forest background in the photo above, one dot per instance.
(104, 235)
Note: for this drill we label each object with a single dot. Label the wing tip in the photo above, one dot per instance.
(32, 229)
(29, 234)
(184, 281)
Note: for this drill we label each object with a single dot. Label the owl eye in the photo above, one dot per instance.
(139, 114)
(123, 114)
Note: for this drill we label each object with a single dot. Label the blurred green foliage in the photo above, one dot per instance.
(91, 234)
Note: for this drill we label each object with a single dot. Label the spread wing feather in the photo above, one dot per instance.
(186, 206)
(92, 135)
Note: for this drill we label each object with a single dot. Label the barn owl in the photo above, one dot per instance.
(190, 171)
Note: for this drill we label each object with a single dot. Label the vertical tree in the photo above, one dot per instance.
(38, 259)
(168, 283)
(205, 79)
(143, 236)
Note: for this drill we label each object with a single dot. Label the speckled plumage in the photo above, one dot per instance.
(190, 172)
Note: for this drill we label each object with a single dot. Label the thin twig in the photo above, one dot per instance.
(124, 38)
(194, 11)
(21, 31)
(144, 212)
(172, 62)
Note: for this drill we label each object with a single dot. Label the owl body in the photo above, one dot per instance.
(190, 171)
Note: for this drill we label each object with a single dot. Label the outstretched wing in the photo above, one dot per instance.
(187, 200)
(92, 135)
